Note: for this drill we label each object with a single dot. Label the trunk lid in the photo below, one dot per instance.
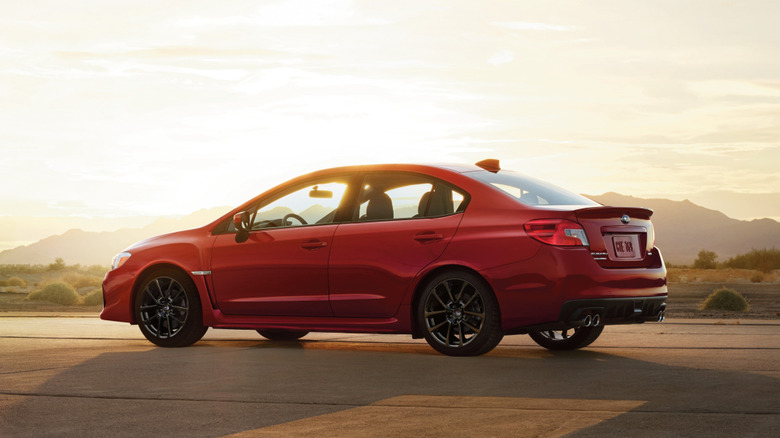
(620, 237)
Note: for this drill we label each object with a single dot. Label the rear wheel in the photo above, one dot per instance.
(168, 310)
(459, 314)
(282, 335)
(568, 339)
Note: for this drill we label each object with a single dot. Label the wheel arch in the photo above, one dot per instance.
(417, 332)
(147, 272)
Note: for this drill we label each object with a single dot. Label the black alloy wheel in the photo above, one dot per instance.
(459, 314)
(168, 310)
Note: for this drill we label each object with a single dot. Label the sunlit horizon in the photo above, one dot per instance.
(124, 109)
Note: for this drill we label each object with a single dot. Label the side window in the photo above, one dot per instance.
(312, 204)
(406, 196)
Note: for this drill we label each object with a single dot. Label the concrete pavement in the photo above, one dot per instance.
(87, 377)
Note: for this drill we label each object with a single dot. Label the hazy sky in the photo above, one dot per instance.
(151, 108)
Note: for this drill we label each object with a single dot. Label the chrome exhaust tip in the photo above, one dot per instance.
(596, 320)
(587, 321)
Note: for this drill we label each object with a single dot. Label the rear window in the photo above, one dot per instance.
(530, 191)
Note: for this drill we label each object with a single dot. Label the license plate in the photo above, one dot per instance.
(626, 247)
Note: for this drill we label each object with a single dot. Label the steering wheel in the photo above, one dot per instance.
(294, 216)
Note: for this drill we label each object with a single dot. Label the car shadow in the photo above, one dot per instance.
(217, 388)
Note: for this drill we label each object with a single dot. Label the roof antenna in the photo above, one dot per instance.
(491, 165)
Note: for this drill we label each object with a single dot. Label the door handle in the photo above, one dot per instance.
(428, 236)
(314, 244)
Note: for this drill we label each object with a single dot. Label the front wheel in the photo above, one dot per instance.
(168, 311)
(568, 339)
(459, 314)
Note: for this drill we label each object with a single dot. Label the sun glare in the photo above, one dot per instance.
(127, 111)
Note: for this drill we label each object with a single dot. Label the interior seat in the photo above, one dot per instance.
(437, 205)
(380, 206)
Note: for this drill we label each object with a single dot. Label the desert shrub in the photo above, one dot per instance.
(58, 293)
(764, 260)
(98, 270)
(16, 281)
(94, 298)
(58, 265)
(725, 299)
(705, 260)
(80, 280)
(757, 278)
(9, 270)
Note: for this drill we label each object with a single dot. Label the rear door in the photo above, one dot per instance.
(401, 223)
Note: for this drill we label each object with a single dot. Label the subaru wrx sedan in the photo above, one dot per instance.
(458, 255)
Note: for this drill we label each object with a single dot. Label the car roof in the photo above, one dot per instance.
(457, 168)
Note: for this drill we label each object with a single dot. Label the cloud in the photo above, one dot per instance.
(294, 13)
(522, 25)
(501, 57)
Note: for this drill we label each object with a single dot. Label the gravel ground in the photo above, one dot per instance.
(684, 300)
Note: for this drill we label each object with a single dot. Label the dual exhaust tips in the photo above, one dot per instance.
(590, 321)
(594, 320)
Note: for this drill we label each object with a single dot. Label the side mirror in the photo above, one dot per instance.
(241, 221)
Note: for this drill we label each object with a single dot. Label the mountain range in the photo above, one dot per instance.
(98, 248)
(682, 230)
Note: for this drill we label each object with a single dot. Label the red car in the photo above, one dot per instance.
(459, 255)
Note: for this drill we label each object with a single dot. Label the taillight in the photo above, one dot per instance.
(651, 235)
(558, 232)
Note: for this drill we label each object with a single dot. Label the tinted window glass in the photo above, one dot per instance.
(406, 196)
(530, 191)
(312, 204)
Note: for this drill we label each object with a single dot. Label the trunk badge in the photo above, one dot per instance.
(625, 219)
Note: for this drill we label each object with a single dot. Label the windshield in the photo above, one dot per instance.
(530, 191)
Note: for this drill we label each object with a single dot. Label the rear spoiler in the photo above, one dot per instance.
(611, 212)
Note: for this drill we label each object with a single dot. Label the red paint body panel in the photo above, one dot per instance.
(274, 273)
(363, 276)
(187, 250)
(372, 265)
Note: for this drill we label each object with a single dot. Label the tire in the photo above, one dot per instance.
(459, 314)
(563, 340)
(282, 335)
(167, 309)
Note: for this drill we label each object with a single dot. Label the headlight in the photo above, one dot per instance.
(119, 260)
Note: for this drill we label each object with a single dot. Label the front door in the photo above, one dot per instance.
(282, 269)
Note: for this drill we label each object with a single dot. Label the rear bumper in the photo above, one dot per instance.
(552, 286)
(614, 310)
(604, 311)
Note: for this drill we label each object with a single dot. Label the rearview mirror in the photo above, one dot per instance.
(242, 224)
(322, 194)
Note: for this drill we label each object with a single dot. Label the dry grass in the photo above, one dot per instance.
(730, 275)
(79, 280)
(94, 298)
(57, 293)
